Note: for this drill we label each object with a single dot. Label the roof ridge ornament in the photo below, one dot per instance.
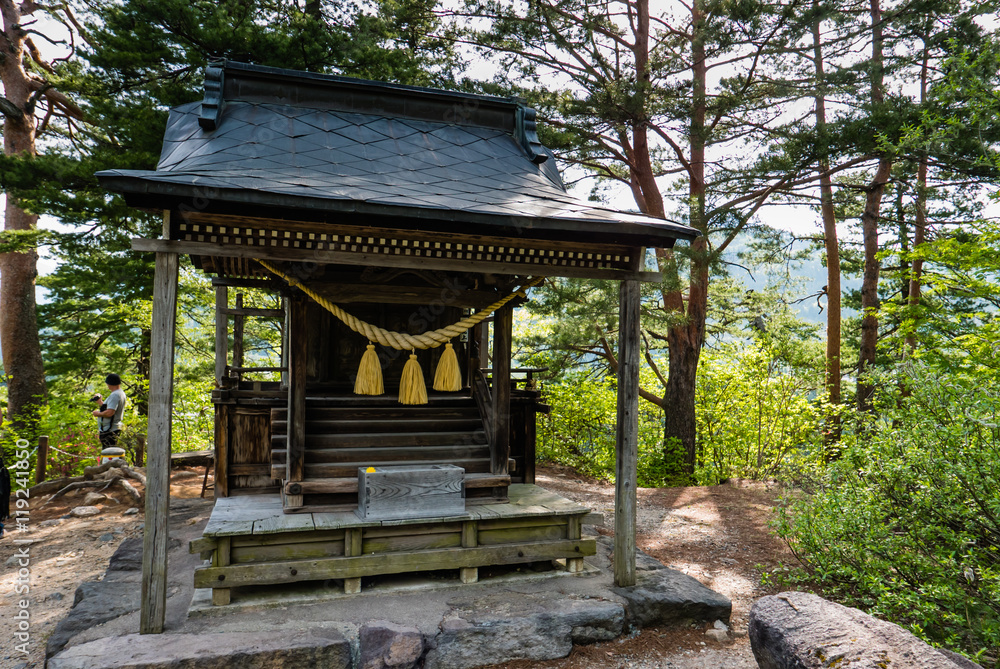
(526, 133)
(214, 103)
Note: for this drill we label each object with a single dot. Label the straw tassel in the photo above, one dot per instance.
(369, 381)
(411, 387)
(447, 377)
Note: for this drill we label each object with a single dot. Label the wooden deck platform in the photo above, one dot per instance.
(252, 542)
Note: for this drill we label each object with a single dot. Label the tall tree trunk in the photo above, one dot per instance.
(22, 353)
(833, 310)
(869, 282)
(869, 229)
(685, 339)
(920, 225)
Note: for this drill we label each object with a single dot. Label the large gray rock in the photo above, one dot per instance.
(667, 597)
(384, 645)
(241, 650)
(128, 556)
(531, 627)
(798, 630)
(93, 604)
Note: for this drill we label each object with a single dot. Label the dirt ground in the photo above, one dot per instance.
(64, 553)
(716, 534)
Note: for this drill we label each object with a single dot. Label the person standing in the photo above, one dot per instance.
(109, 416)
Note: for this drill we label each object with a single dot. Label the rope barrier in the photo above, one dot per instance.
(400, 340)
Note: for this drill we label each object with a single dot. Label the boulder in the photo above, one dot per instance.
(667, 597)
(384, 645)
(798, 630)
(94, 603)
(487, 629)
(128, 556)
(234, 650)
(84, 511)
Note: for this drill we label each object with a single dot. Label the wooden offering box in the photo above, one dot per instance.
(410, 491)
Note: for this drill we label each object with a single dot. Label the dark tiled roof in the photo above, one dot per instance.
(303, 157)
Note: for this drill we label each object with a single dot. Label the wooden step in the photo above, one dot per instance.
(384, 425)
(350, 469)
(325, 441)
(396, 412)
(374, 456)
(350, 485)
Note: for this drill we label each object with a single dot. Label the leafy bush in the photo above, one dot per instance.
(754, 419)
(580, 430)
(908, 523)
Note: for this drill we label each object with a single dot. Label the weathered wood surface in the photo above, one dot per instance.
(221, 333)
(238, 515)
(350, 485)
(627, 434)
(390, 563)
(161, 398)
(327, 257)
(239, 323)
(250, 448)
(297, 370)
(410, 492)
(222, 430)
(500, 443)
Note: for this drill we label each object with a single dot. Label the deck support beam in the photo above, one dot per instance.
(627, 433)
(161, 400)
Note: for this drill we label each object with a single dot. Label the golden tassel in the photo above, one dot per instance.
(447, 377)
(411, 387)
(369, 381)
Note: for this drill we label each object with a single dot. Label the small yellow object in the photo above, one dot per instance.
(370, 470)
(447, 377)
(369, 381)
(411, 387)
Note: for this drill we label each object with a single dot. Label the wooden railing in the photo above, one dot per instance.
(485, 401)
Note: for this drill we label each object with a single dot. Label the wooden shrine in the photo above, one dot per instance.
(384, 216)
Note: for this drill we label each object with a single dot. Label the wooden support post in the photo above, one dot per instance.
(223, 413)
(627, 433)
(484, 342)
(238, 323)
(296, 441)
(221, 334)
(470, 539)
(161, 401)
(352, 548)
(502, 329)
(221, 558)
(42, 460)
(574, 530)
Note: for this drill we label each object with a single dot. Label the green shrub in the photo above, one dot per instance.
(580, 431)
(908, 523)
(754, 418)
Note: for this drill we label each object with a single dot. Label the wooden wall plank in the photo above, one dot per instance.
(627, 433)
(161, 399)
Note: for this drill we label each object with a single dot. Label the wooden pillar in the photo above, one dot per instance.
(161, 400)
(470, 539)
(238, 322)
(221, 333)
(502, 329)
(297, 368)
(222, 432)
(627, 433)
